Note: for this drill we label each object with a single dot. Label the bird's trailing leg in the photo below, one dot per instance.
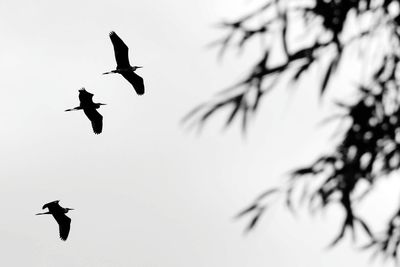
(109, 72)
(43, 213)
(71, 109)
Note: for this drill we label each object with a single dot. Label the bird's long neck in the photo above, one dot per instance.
(123, 70)
(97, 105)
(136, 67)
(126, 69)
(67, 209)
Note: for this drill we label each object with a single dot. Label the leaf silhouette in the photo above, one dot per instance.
(366, 144)
(255, 219)
(247, 210)
(328, 74)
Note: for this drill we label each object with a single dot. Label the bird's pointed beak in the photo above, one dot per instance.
(139, 67)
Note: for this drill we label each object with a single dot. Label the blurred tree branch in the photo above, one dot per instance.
(370, 148)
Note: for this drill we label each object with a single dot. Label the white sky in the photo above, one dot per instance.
(146, 192)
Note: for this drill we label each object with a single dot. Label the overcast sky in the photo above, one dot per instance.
(146, 192)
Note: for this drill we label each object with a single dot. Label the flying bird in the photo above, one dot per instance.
(90, 109)
(123, 66)
(58, 213)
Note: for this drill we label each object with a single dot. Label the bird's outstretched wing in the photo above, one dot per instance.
(120, 51)
(96, 119)
(85, 97)
(52, 205)
(64, 224)
(136, 81)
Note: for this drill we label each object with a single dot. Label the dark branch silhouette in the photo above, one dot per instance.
(90, 109)
(370, 148)
(123, 66)
(58, 213)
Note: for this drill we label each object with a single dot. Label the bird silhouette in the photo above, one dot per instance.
(123, 66)
(58, 212)
(90, 109)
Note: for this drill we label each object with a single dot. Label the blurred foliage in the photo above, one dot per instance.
(370, 148)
